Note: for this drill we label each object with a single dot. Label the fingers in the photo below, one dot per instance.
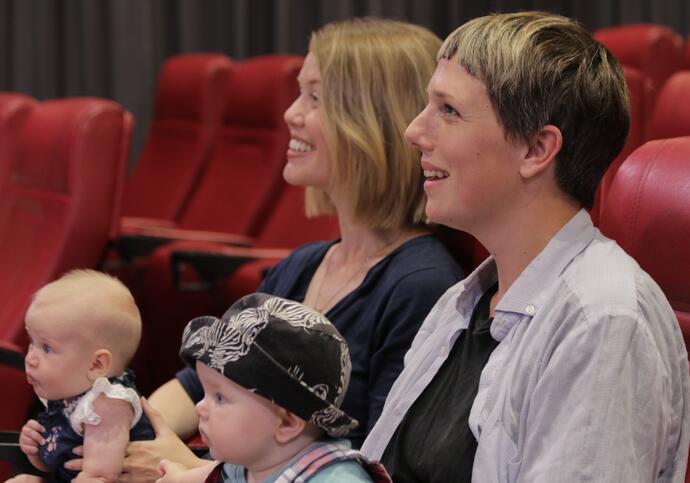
(74, 465)
(164, 467)
(155, 417)
(31, 437)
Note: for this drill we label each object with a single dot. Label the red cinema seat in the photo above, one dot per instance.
(61, 200)
(19, 399)
(649, 216)
(189, 101)
(671, 115)
(14, 109)
(655, 50)
(242, 179)
(640, 95)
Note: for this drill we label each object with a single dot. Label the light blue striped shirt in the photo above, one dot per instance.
(590, 379)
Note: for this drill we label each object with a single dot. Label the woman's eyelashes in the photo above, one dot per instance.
(449, 111)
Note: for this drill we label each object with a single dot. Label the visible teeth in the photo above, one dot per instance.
(429, 173)
(300, 146)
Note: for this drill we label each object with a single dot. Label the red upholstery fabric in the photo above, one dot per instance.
(648, 213)
(641, 102)
(241, 181)
(671, 116)
(58, 205)
(19, 395)
(687, 53)
(14, 109)
(243, 177)
(190, 98)
(655, 50)
(465, 248)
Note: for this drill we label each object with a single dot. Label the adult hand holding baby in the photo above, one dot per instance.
(143, 458)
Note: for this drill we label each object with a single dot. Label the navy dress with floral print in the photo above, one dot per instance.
(61, 438)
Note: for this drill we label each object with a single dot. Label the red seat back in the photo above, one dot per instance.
(671, 116)
(648, 213)
(655, 50)
(287, 226)
(190, 97)
(241, 180)
(19, 395)
(60, 199)
(640, 96)
(14, 109)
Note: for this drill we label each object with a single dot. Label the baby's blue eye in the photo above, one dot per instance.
(47, 349)
(219, 398)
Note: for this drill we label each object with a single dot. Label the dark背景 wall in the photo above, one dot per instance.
(114, 48)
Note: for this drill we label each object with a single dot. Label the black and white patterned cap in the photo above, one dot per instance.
(281, 350)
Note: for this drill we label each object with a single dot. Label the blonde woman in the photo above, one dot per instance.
(362, 83)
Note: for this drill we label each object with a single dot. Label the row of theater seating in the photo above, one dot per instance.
(207, 207)
(656, 63)
(61, 174)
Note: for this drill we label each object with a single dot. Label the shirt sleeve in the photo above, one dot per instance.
(408, 305)
(600, 409)
(349, 471)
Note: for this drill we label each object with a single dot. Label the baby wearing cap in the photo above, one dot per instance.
(84, 329)
(274, 374)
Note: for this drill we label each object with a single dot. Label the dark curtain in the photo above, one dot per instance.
(114, 48)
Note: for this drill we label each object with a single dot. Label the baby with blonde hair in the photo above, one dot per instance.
(84, 329)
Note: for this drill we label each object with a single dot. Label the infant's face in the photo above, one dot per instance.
(59, 356)
(238, 426)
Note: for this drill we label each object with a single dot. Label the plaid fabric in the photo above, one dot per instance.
(327, 454)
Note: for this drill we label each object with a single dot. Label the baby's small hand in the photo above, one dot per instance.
(171, 472)
(31, 437)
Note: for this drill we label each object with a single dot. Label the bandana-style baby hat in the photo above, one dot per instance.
(281, 350)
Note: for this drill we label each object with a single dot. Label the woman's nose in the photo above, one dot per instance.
(416, 133)
(293, 115)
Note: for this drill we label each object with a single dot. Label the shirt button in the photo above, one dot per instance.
(443, 352)
(530, 309)
(398, 412)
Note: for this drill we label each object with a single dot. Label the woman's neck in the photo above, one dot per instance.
(359, 242)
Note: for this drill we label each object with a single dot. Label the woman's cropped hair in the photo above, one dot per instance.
(374, 74)
(543, 69)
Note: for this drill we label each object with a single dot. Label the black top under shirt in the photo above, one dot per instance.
(433, 442)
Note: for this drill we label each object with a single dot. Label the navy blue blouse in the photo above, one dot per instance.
(378, 319)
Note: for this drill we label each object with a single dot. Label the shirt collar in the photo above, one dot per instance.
(473, 287)
(524, 296)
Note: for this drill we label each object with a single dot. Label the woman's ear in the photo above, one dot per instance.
(290, 426)
(546, 145)
(101, 362)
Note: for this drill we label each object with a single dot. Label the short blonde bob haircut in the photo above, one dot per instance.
(374, 74)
